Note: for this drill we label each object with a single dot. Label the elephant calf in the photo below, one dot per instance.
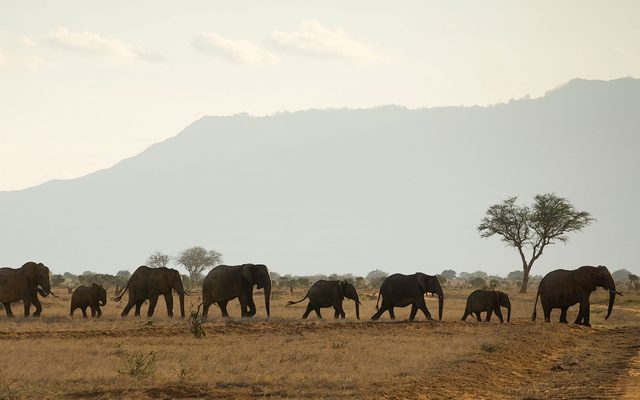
(489, 301)
(329, 294)
(85, 296)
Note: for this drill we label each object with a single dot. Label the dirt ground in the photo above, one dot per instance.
(284, 357)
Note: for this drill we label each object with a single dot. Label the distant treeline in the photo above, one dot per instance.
(373, 280)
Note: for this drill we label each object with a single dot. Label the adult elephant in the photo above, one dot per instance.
(24, 284)
(489, 301)
(400, 290)
(562, 289)
(329, 294)
(93, 296)
(148, 284)
(226, 282)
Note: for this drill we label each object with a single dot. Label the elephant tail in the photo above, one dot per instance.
(296, 302)
(117, 299)
(535, 305)
(377, 302)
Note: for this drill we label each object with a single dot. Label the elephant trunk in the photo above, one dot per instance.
(611, 286)
(180, 290)
(267, 297)
(509, 313)
(612, 298)
(440, 306)
(46, 287)
(181, 296)
(357, 308)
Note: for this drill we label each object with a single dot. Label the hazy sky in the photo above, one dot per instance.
(85, 84)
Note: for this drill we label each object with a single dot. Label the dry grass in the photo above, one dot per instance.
(289, 358)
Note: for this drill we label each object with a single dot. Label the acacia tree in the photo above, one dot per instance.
(531, 229)
(158, 259)
(197, 259)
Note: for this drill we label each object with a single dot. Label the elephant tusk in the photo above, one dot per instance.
(616, 292)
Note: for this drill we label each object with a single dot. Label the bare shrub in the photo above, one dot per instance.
(137, 364)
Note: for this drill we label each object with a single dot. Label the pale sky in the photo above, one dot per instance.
(86, 84)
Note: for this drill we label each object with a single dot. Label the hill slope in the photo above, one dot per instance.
(350, 190)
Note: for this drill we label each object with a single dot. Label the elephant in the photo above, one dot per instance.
(226, 282)
(400, 290)
(329, 294)
(149, 283)
(489, 301)
(563, 288)
(92, 297)
(24, 284)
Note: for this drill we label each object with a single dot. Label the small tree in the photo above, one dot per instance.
(531, 229)
(376, 277)
(158, 259)
(515, 276)
(448, 274)
(197, 259)
(633, 281)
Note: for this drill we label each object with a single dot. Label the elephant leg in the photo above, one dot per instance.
(414, 310)
(98, 311)
(7, 309)
(27, 308)
(93, 312)
(379, 313)
(489, 313)
(336, 313)
(563, 315)
(71, 310)
(498, 312)
(307, 311)
(37, 305)
(547, 313)
(342, 313)
(168, 299)
(138, 307)
(423, 307)
(127, 308)
(153, 300)
(223, 308)
(205, 308)
(477, 313)
(84, 311)
(251, 306)
(318, 313)
(584, 311)
(392, 315)
(465, 315)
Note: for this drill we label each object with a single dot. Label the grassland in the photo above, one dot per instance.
(59, 357)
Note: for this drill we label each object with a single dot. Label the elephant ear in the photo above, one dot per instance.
(247, 273)
(341, 285)
(422, 282)
(586, 277)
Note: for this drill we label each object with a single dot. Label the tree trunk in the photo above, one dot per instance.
(525, 278)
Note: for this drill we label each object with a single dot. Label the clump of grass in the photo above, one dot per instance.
(195, 323)
(337, 345)
(489, 347)
(137, 364)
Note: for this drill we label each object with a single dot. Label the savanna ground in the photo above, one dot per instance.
(58, 357)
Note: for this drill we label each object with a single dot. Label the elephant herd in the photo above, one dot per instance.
(558, 289)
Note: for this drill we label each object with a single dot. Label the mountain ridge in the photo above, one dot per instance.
(352, 182)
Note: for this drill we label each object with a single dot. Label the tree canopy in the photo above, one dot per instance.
(531, 229)
(158, 259)
(197, 259)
